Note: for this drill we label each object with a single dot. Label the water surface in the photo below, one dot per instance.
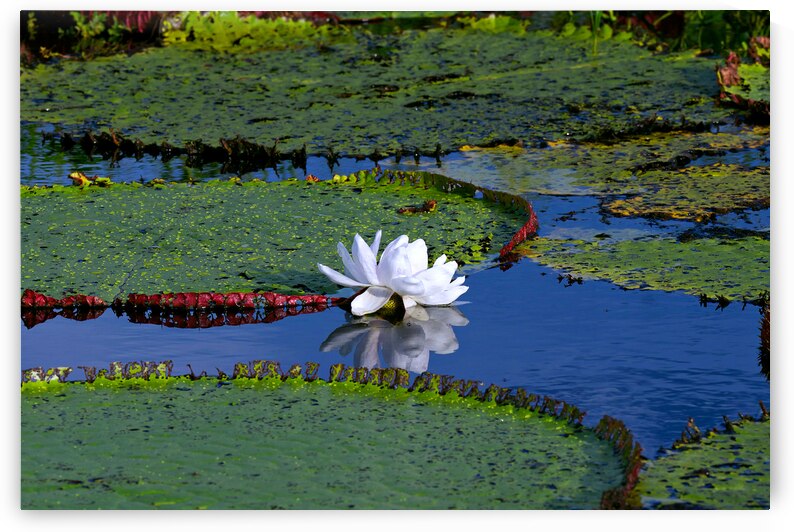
(649, 358)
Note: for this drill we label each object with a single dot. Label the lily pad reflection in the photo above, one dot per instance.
(378, 343)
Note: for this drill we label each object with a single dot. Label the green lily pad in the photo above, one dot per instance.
(723, 471)
(696, 193)
(133, 443)
(227, 236)
(413, 90)
(754, 85)
(732, 268)
(666, 165)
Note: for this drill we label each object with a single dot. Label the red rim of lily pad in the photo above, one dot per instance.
(253, 300)
(186, 310)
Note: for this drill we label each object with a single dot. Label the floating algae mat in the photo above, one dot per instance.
(414, 90)
(728, 470)
(225, 236)
(731, 268)
(304, 444)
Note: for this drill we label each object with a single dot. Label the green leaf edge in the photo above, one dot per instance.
(156, 376)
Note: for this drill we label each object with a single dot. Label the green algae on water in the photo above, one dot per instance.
(697, 193)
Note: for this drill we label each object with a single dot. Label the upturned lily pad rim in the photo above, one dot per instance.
(692, 434)
(693, 440)
(154, 375)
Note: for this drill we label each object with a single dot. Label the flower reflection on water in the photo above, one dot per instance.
(378, 343)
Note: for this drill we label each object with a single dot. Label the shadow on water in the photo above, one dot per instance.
(649, 358)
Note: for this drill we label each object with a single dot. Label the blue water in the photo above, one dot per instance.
(651, 359)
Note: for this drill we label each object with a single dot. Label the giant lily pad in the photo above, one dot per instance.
(724, 471)
(681, 175)
(417, 89)
(731, 268)
(227, 236)
(360, 440)
(696, 193)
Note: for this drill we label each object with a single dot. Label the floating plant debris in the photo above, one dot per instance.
(727, 469)
(254, 236)
(501, 448)
(689, 176)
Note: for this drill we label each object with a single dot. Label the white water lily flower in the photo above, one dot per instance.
(403, 269)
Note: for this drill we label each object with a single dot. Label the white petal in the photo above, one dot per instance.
(436, 278)
(365, 259)
(417, 254)
(400, 241)
(371, 300)
(351, 268)
(407, 286)
(408, 302)
(393, 263)
(338, 278)
(441, 260)
(443, 297)
(450, 266)
(375, 246)
(458, 281)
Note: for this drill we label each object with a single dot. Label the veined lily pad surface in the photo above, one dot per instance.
(224, 236)
(164, 443)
